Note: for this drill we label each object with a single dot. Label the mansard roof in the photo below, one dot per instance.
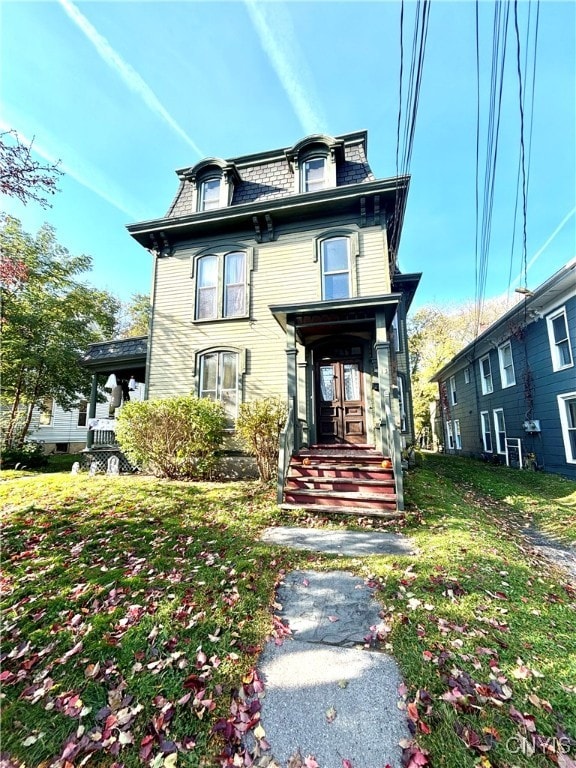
(270, 175)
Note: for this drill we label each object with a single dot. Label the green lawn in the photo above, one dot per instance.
(134, 611)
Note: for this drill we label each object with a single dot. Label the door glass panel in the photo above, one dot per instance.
(327, 383)
(351, 381)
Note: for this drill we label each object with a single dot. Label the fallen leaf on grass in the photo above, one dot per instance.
(330, 714)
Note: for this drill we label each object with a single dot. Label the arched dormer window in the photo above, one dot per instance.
(212, 182)
(314, 163)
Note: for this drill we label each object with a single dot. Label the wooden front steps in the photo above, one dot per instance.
(338, 479)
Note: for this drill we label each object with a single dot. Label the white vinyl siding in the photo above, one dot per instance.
(486, 432)
(507, 374)
(567, 409)
(559, 337)
(500, 430)
(486, 375)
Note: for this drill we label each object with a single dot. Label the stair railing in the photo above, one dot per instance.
(392, 445)
(287, 444)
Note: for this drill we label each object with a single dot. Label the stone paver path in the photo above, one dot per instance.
(326, 694)
(332, 542)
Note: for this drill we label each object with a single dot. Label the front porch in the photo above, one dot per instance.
(344, 408)
(125, 359)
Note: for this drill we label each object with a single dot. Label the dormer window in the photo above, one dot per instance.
(209, 197)
(314, 174)
(314, 161)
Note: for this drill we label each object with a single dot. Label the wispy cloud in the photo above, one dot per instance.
(82, 172)
(127, 73)
(274, 28)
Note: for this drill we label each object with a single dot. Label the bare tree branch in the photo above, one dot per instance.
(21, 175)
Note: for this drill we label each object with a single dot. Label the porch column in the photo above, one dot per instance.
(292, 378)
(92, 410)
(382, 348)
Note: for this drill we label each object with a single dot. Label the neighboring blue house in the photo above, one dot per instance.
(510, 395)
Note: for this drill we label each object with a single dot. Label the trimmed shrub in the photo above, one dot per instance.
(175, 437)
(259, 425)
(30, 456)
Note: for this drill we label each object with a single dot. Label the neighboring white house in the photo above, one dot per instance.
(64, 431)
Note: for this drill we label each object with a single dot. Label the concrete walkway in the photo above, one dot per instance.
(328, 693)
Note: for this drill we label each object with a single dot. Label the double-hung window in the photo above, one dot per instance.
(221, 286)
(507, 374)
(82, 413)
(486, 375)
(209, 196)
(335, 264)
(559, 340)
(219, 379)
(449, 435)
(46, 412)
(567, 408)
(500, 430)
(486, 433)
(314, 174)
(453, 394)
(457, 435)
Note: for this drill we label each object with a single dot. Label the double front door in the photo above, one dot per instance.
(340, 408)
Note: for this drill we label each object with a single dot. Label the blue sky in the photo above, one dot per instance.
(123, 93)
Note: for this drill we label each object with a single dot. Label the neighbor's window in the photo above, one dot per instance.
(453, 395)
(559, 340)
(219, 380)
(486, 375)
(82, 413)
(335, 264)
(314, 174)
(449, 434)
(567, 408)
(457, 435)
(500, 430)
(221, 286)
(46, 412)
(506, 365)
(209, 196)
(486, 433)
(466, 375)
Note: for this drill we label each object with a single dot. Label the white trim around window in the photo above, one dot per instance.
(506, 361)
(567, 409)
(486, 375)
(559, 337)
(486, 431)
(500, 430)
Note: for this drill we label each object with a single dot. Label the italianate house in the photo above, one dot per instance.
(510, 395)
(276, 273)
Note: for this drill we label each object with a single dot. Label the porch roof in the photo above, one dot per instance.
(116, 355)
(310, 318)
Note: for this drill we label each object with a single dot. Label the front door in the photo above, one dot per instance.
(340, 401)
